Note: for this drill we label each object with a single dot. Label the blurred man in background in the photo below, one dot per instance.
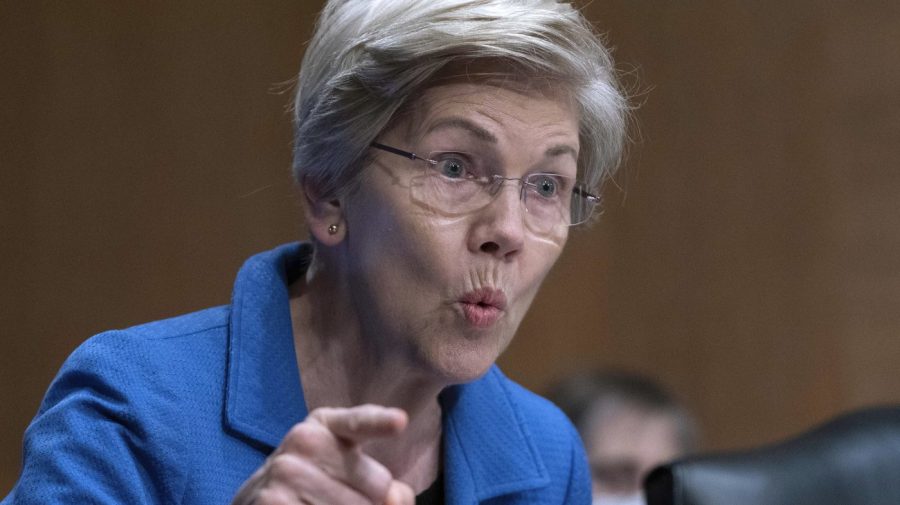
(630, 424)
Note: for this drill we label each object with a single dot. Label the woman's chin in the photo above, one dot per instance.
(464, 362)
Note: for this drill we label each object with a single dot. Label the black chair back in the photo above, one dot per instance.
(851, 460)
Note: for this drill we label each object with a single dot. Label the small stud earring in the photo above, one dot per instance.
(332, 229)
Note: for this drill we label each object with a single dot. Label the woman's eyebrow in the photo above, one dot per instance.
(561, 150)
(464, 124)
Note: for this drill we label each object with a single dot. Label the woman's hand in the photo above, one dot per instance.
(320, 461)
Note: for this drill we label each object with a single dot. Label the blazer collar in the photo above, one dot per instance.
(488, 449)
(264, 397)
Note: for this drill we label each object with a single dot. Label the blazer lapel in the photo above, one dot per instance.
(488, 450)
(264, 397)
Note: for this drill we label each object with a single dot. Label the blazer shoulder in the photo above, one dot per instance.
(173, 354)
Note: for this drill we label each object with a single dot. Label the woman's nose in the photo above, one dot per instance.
(499, 228)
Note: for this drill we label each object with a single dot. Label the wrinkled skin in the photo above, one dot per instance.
(380, 318)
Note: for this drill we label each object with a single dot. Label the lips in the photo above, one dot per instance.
(483, 307)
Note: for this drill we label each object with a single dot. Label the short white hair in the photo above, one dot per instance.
(368, 57)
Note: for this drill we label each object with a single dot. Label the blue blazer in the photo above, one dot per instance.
(182, 411)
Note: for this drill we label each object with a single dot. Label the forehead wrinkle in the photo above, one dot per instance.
(479, 102)
(463, 108)
(548, 123)
(457, 122)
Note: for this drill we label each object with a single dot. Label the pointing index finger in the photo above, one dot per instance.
(361, 423)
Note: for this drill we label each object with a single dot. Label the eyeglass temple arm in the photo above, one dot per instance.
(405, 154)
(590, 196)
(400, 152)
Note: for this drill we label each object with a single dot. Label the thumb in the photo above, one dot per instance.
(400, 494)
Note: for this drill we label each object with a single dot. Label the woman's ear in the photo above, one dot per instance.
(324, 217)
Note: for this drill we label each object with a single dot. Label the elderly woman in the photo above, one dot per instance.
(443, 149)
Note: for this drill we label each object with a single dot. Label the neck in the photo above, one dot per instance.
(339, 367)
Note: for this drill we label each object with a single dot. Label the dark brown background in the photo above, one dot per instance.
(752, 263)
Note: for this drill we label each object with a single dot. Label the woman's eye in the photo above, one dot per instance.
(546, 186)
(453, 168)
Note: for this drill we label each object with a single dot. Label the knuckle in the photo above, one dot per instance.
(304, 438)
(370, 410)
(272, 496)
(321, 414)
(371, 478)
(353, 423)
(379, 480)
(283, 468)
